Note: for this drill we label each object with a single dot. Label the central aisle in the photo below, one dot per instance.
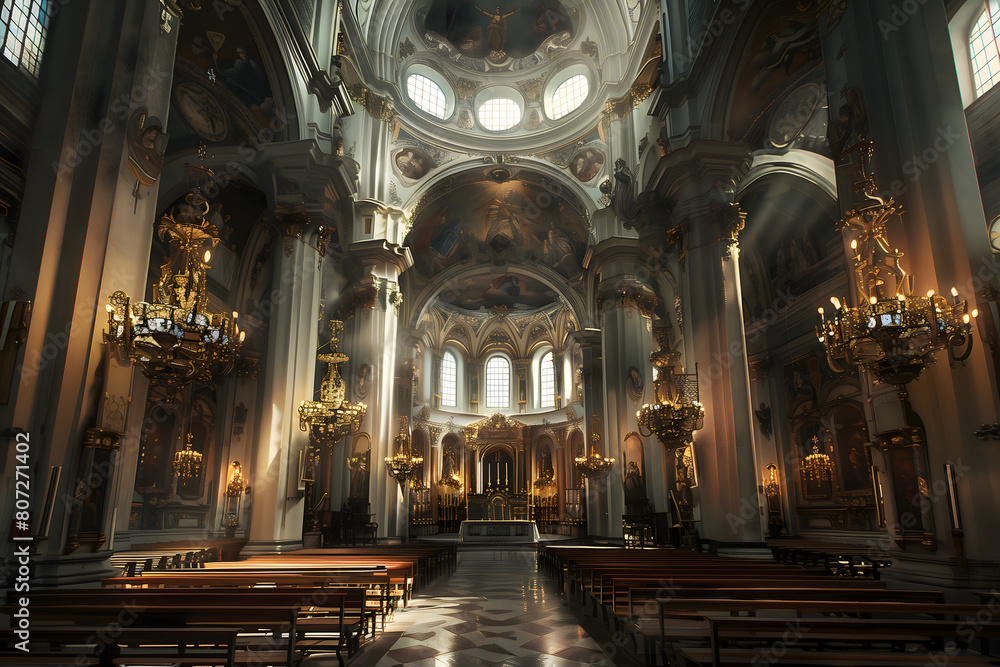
(496, 609)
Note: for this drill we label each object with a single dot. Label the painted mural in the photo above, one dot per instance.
(512, 290)
(224, 86)
(502, 224)
(497, 29)
(786, 43)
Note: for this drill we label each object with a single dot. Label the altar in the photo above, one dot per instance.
(499, 531)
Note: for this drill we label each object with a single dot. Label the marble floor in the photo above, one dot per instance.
(496, 609)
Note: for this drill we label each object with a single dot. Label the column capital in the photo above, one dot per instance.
(699, 173)
(303, 167)
(381, 258)
(586, 338)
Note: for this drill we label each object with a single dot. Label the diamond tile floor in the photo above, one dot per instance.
(496, 609)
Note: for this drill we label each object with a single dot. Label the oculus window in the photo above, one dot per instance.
(427, 95)
(497, 383)
(449, 380)
(547, 383)
(499, 113)
(24, 25)
(983, 48)
(569, 95)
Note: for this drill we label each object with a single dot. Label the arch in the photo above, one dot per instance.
(422, 300)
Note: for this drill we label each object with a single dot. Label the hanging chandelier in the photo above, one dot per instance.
(594, 466)
(187, 463)
(817, 472)
(893, 334)
(402, 465)
(677, 413)
(331, 417)
(175, 338)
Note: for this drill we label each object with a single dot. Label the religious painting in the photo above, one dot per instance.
(803, 379)
(497, 29)
(501, 224)
(413, 163)
(511, 290)
(852, 456)
(787, 42)
(586, 164)
(633, 384)
(225, 84)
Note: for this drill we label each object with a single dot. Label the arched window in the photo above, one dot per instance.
(499, 113)
(449, 380)
(24, 25)
(427, 95)
(498, 383)
(547, 384)
(570, 94)
(983, 48)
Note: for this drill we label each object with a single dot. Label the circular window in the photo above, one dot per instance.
(427, 95)
(570, 94)
(499, 113)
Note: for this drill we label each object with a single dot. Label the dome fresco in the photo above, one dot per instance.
(497, 29)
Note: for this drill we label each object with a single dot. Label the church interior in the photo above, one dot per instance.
(535, 332)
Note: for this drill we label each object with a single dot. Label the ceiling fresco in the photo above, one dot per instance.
(497, 29)
(224, 86)
(509, 289)
(786, 42)
(504, 224)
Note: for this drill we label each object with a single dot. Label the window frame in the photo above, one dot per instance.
(437, 78)
(449, 354)
(550, 354)
(989, 36)
(486, 382)
(36, 23)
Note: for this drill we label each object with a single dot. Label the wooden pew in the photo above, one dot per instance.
(853, 641)
(97, 645)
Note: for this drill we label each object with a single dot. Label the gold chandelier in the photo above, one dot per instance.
(677, 413)
(817, 470)
(594, 466)
(893, 334)
(331, 417)
(187, 463)
(402, 465)
(175, 338)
